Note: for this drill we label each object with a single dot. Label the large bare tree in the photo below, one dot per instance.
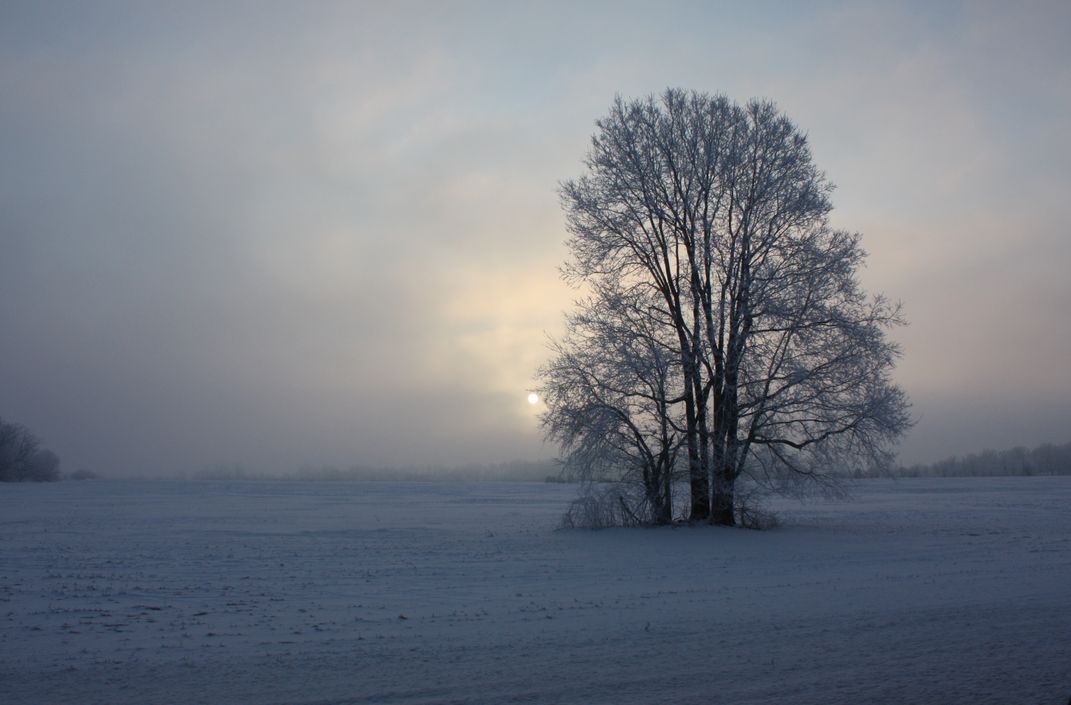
(715, 213)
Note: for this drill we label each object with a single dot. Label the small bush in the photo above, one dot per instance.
(603, 506)
(751, 512)
(755, 517)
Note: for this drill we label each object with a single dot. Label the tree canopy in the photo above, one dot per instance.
(725, 319)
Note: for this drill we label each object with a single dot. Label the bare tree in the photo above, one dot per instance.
(716, 213)
(609, 408)
(18, 450)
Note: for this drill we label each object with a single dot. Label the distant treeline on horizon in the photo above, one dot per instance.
(1046, 459)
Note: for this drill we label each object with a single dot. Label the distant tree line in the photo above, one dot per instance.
(1046, 459)
(23, 458)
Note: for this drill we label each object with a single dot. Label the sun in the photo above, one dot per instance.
(533, 398)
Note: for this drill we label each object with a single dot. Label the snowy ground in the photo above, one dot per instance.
(917, 591)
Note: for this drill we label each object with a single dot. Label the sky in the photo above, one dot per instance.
(285, 234)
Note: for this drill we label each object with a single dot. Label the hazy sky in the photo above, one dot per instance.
(321, 233)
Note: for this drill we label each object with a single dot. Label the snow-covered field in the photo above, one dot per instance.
(916, 591)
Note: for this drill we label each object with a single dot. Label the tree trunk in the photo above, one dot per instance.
(724, 500)
(657, 499)
(703, 440)
(667, 494)
(698, 482)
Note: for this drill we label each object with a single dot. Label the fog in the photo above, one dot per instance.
(281, 235)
